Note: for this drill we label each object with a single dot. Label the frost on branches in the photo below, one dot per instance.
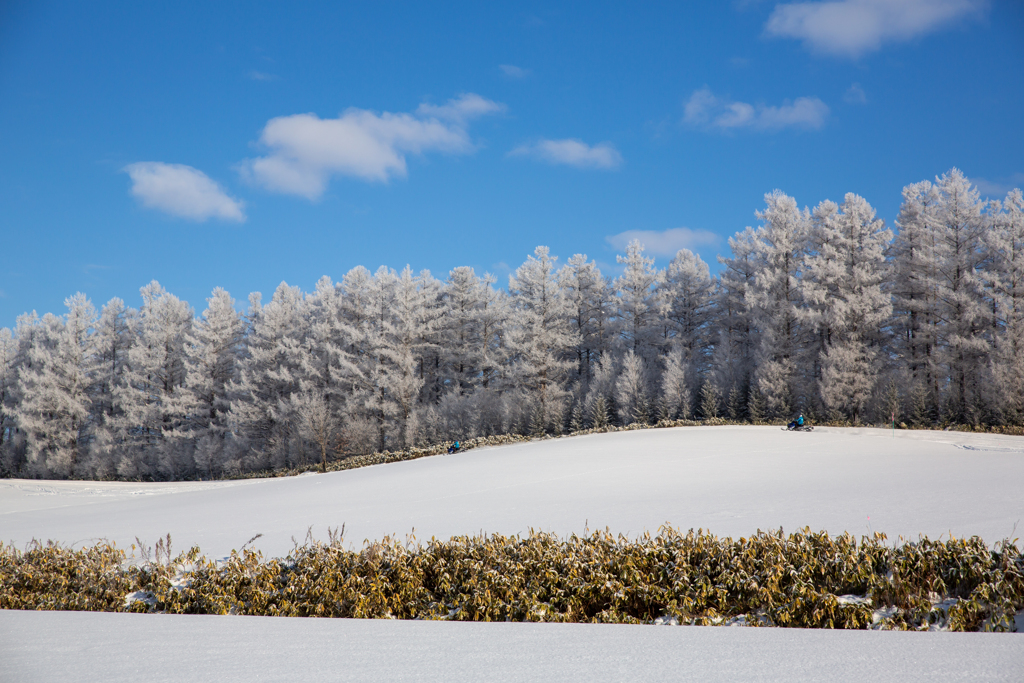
(823, 310)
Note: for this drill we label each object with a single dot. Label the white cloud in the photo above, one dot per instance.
(181, 191)
(664, 242)
(572, 152)
(705, 109)
(850, 28)
(461, 109)
(305, 150)
(855, 95)
(998, 189)
(514, 71)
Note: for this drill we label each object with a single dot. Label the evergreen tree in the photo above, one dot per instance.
(915, 287)
(269, 373)
(639, 302)
(589, 301)
(709, 400)
(775, 303)
(631, 393)
(8, 383)
(212, 352)
(687, 293)
(675, 387)
(735, 336)
(843, 278)
(958, 229)
(55, 408)
(542, 340)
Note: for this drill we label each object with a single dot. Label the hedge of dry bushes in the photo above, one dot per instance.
(801, 580)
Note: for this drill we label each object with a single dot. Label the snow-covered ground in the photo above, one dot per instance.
(731, 480)
(109, 648)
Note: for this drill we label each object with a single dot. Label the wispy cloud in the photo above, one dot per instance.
(997, 189)
(851, 28)
(855, 95)
(182, 191)
(305, 151)
(461, 109)
(261, 76)
(514, 71)
(664, 242)
(572, 152)
(705, 109)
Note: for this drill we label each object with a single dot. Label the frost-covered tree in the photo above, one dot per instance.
(113, 337)
(735, 338)
(915, 284)
(631, 393)
(212, 350)
(269, 374)
(8, 382)
(541, 340)
(774, 300)
(639, 302)
(589, 301)
(1004, 279)
(959, 225)
(149, 435)
(411, 319)
(846, 304)
(709, 400)
(675, 388)
(55, 406)
(317, 423)
(687, 295)
(466, 348)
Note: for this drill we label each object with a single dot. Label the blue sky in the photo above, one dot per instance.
(242, 144)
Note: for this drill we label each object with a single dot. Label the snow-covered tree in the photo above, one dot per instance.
(268, 376)
(211, 357)
(542, 338)
(411, 319)
(8, 382)
(1004, 279)
(675, 387)
(639, 302)
(959, 225)
(631, 394)
(775, 302)
(55, 406)
(687, 297)
(151, 433)
(735, 337)
(915, 285)
(846, 304)
(589, 301)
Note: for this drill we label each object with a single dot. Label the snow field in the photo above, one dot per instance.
(731, 480)
(78, 646)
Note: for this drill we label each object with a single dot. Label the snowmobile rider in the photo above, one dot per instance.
(797, 423)
(454, 448)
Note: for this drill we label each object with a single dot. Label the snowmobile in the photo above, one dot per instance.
(799, 425)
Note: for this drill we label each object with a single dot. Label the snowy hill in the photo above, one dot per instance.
(731, 480)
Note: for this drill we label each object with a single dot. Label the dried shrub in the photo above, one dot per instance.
(802, 579)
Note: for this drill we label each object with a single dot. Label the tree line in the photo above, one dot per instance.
(820, 310)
